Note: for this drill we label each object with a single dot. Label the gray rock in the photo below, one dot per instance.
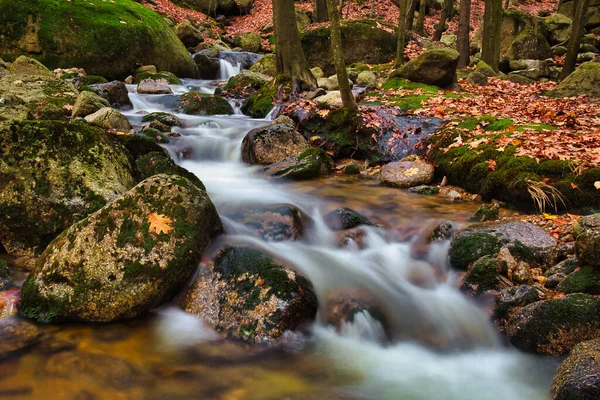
(151, 86)
(115, 92)
(312, 163)
(366, 78)
(578, 377)
(109, 118)
(406, 174)
(587, 240)
(330, 100)
(272, 143)
(433, 67)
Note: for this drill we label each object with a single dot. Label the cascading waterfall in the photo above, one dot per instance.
(444, 346)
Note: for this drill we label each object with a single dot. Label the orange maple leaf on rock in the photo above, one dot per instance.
(159, 223)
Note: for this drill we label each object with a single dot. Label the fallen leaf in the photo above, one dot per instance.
(411, 171)
(491, 164)
(550, 216)
(159, 223)
(597, 185)
(574, 186)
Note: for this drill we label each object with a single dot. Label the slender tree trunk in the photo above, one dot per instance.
(490, 40)
(506, 4)
(463, 45)
(580, 8)
(321, 14)
(288, 49)
(410, 18)
(445, 15)
(401, 34)
(338, 55)
(420, 28)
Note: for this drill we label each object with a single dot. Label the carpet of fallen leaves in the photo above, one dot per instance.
(176, 13)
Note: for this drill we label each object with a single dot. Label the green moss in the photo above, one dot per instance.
(155, 163)
(127, 233)
(400, 83)
(499, 125)
(37, 307)
(585, 280)
(196, 103)
(163, 75)
(4, 269)
(471, 247)
(260, 103)
(94, 80)
(138, 145)
(482, 275)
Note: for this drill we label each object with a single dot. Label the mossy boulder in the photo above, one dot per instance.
(513, 23)
(189, 35)
(138, 144)
(272, 143)
(272, 223)
(432, 67)
(248, 79)
(524, 240)
(249, 41)
(559, 28)
(165, 118)
(406, 174)
(155, 163)
(477, 78)
(555, 326)
(578, 377)
(28, 66)
(54, 174)
(366, 78)
(162, 76)
(483, 275)
(513, 298)
(35, 97)
(125, 259)
(248, 295)
(196, 103)
(529, 45)
(345, 218)
(88, 103)
(587, 239)
(16, 336)
(585, 80)
(109, 118)
(106, 38)
(486, 212)
(592, 15)
(584, 280)
(266, 65)
(208, 63)
(260, 103)
(310, 164)
(485, 69)
(115, 92)
(362, 41)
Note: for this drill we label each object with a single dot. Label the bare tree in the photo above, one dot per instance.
(401, 33)
(338, 55)
(290, 58)
(445, 15)
(410, 17)
(321, 14)
(420, 28)
(490, 40)
(580, 8)
(464, 22)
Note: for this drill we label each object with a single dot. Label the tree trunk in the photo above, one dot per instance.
(463, 45)
(446, 14)
(506, 4)
(288, 49)
(338, 55)
(490, 40)
(321, 14)
(401, 34)
(420, 28)
(580, 7)
(410, 18)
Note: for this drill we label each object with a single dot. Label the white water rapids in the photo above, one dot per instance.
(473, 363)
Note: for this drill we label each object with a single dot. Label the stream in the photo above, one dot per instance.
(444, 346)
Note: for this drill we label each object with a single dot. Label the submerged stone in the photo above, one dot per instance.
(274, 223)
(312, 163)
(345, 218)
(16, 335)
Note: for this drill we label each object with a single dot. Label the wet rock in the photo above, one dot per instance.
(246, 294)
(9, 299)
(443, 231)
(405, 174)
(155, 163)
(88, 103)
(162, 117)
(127, 258)
(249, 41)
(585, 80)
(433, 67)
(243, 58)
(425, 190)
(189, 35)
(248, 79)
(578, 377)
(345, 218)
(272, 143)
(115, 92)
(555, 326)
(587, 239)
(583, 280)
(266, 65)
(109, 370)
(312, 163)
(54, 174)
(483, 275)
(529, 45)
(512, 298)
(366, 78)
(486, 212)
(109, 118)
(161, 76)
(330, 100)
(525, 241)
(208, 63)
(196, 103)
(285, 120)
(271, 223)
(28, 66)
(151, 86)
(16, 335)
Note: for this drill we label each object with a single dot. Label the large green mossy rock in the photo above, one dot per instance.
(362, 41)
(125, 259)
(513, 23)
(555, 326)
(106, 38)
(266, 65)
(585, 80)
(248, 41)
(483, 275)
(248, 295)
(35, 97)
(52, 174)
(525, 241)
(310, 164)
(28, 66)
(587, 239)
(248, 80)
(529, 45)
(196, 103)
(269, 144)
(592, 15)
(578, 377)
(433, 67)
(559, 28)
(155, 163)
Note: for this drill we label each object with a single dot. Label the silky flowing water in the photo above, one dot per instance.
(444, 346)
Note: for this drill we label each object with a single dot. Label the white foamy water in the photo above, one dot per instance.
(444, 346)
